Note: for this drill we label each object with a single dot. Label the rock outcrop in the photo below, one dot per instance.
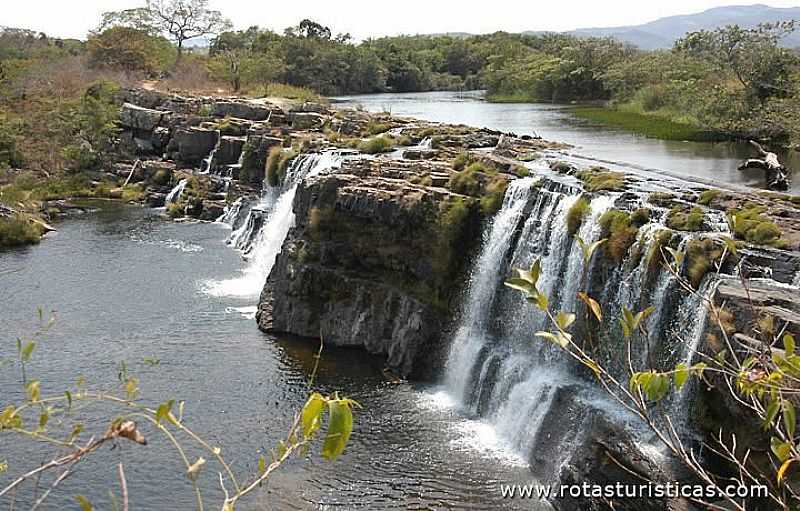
(374, 261)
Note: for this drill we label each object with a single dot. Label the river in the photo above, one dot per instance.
(713, 162)
(127, 285)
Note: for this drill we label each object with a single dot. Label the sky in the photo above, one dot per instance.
(374, 18)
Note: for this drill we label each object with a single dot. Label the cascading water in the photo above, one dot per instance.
(175, 194)
(261, 235)
(205, 167)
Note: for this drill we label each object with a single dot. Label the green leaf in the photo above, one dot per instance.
(340, 425)
(557, 338)
(312, 414)
(262, 464)
(589, 250)
(68, 395)
(27, 350)
(163, 410)
(780, 449)
(44, 418)
(520, 285)
(788, 344)
(564, 320)
(789, 418)
(33, 391)
(772, 411)
(542, 301)
(681, 375)
(677, 256)
(76, 430)
(84, 503)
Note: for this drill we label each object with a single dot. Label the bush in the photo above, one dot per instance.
(640, 217)
(376, 128)
(576, 214)
(382, 144)
(273, 163)
(465, 183)
(9, 155)
(162, 177)
(132, 193)
(18, 230)
(461, 161)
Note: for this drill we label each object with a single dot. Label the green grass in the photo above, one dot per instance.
(382, 144)
(649, 125)
(616, 227)
(18, 230)
(749, 225)
(681, 218)
(493, 195)
(598, 179)
(576, 214)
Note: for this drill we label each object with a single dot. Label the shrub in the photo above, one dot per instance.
(465, 183)
(681, 218)
(376, 128)
(18, 230)
(9, 155)
(616, 227)
(576, 214)
(176, 209)
(382, 144)
(461, 161)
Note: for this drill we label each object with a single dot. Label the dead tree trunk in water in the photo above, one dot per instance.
(776, 174)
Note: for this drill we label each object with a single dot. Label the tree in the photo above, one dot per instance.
(128, 49)
(179, 20)
(751, 54)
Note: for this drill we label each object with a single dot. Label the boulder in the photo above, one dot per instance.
(307, 120)
(249, 110)
(192, 145)
(228, 151)
(142, 119)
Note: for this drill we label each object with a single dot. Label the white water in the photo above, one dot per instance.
(205, 167)
(278, 218)
(175, 194)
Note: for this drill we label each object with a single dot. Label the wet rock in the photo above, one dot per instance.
(254, 158)
(228, 151)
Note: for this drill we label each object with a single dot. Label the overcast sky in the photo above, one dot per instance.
(371, 18)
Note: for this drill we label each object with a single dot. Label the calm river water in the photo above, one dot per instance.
(714, 162)
(127, 285)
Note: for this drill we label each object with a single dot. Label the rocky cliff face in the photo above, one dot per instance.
(374, 261)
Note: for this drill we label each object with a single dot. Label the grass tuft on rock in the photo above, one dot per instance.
(749, 224)
(576, 214)
(681, 218)
(17, 230)
(493, 195)
(707, 197)
(598, 179)
(376, 145)
(702, 255)
(616, 227)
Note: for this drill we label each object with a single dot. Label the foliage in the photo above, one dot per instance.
(493, 195)
(466, 182)
(92, 124)
(9, 154)
(129, 50)
(702, 255)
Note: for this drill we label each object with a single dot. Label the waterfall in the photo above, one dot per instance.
(205, 166)
(175, 194)
(426, 143)
(261, 235)
(231, 213)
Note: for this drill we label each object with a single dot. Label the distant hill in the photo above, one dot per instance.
(663, 32)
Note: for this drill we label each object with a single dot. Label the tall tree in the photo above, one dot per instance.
(179, 20)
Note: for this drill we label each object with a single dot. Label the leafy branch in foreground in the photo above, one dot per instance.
(56, 420)
(760, 377)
